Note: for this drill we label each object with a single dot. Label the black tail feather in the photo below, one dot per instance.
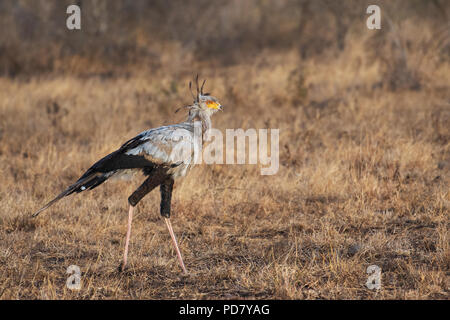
(93, 183)
(100, 171)
(88, 181)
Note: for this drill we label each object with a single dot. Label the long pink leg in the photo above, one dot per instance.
(175, 244)
(127, 241)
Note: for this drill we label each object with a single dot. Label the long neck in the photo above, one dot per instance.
(205, 119)
(206, 122)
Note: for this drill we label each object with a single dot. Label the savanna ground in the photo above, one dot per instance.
(363, 177)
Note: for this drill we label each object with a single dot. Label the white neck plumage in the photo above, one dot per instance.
(205, 118)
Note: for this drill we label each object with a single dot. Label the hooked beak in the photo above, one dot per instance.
(221, 108)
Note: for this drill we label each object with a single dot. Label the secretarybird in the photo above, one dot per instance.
(162, 154)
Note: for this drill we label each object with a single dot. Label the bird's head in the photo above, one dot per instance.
(204, 104)
(208, 103)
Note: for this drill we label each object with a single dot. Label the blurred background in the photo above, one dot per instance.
(134, 34)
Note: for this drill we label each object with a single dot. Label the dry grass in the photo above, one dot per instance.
(363, 179)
